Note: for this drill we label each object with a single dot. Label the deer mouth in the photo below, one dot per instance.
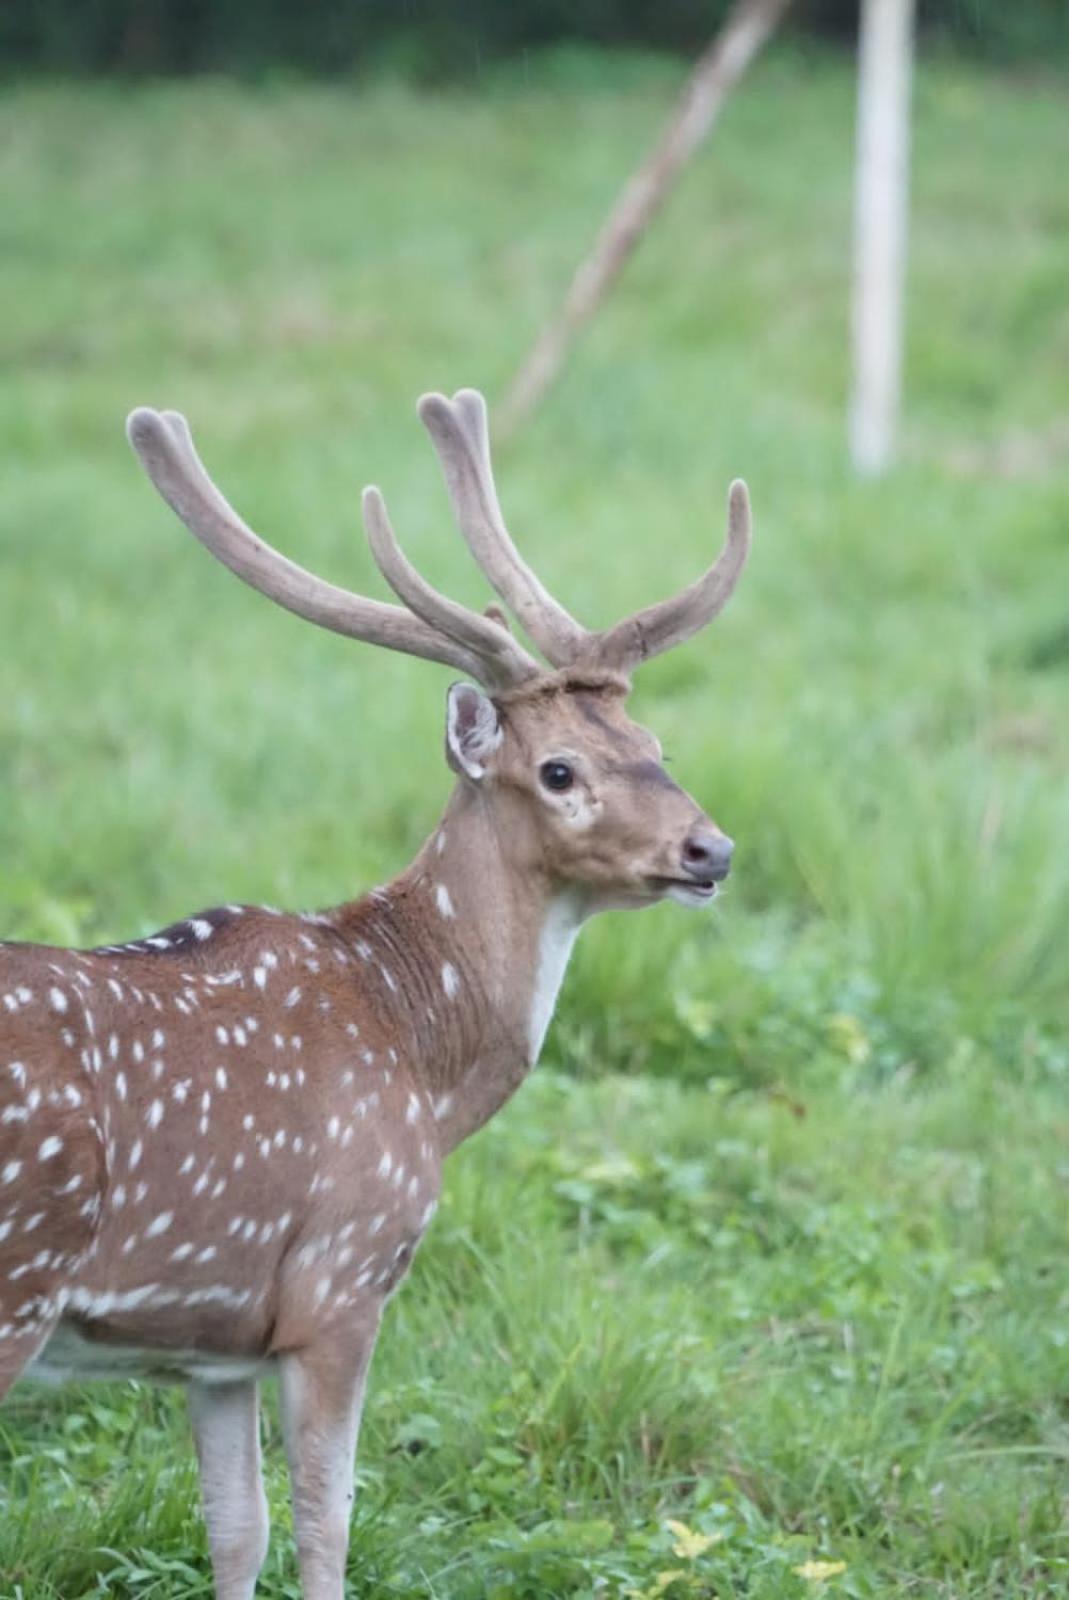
(690, 891)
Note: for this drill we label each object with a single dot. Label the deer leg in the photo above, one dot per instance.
(19, 1343)
(53, 1194)
(31, 1300)
(321, 1392)
(226, 1431)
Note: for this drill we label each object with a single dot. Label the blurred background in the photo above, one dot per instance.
(773, 1244)
(454, 40)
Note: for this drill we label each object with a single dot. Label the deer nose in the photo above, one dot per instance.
(707, 854)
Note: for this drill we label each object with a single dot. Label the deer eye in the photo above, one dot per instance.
(556, 775)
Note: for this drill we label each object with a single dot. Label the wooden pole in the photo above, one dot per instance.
(718, 69)
(881, 201)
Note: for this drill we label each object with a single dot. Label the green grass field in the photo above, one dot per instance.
(774, 1244)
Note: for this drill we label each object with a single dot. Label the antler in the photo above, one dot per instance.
(433, 627)
(487, 638)
(429, 624)
(460, 433)
(461, 437)
(669, 622)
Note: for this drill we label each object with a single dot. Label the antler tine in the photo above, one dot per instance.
(458, 428)
(647, 633)
(165, 448)
(504, 656)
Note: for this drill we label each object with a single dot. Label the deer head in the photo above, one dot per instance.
(576, 792)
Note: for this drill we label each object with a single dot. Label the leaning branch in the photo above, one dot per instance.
(718, 69)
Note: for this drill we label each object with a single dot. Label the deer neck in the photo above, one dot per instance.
(476, 951)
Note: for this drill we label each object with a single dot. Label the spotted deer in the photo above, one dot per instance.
(220, 1145)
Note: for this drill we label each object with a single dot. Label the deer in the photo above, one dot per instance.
(221, 1144)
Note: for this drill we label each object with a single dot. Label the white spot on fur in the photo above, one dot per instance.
(444, 901)
(450, 980)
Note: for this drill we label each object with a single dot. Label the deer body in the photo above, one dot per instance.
(249, 1110)
(226, 1171)
(221, 1145)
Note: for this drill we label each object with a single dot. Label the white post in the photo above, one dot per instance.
(881, 198)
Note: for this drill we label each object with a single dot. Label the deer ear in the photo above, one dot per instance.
(472, 730)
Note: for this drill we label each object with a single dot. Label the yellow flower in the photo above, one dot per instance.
(665, 1581)
(818, 1571)
(848, 1037)
(689, 1544)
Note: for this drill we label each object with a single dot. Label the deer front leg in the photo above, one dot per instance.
(226, 1430)
(321, 1393)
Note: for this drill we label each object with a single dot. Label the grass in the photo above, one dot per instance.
(774, 1247)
